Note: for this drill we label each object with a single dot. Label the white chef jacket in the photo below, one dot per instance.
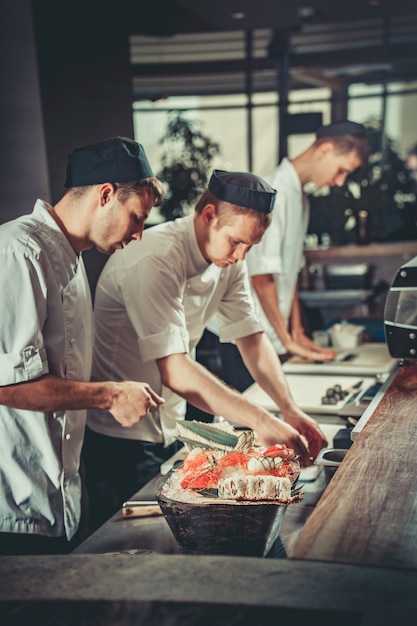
(280, 251)
(46, 327)
(153, 299)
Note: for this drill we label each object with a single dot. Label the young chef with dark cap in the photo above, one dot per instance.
(274, 265)
(152, 304)
(339, 149)
(46, 341)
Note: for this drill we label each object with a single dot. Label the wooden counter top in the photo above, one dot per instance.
(368, 513)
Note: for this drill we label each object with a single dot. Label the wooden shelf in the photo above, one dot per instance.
(404, 249)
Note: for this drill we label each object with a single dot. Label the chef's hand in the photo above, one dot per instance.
(133, 400)
(310, 430)
(306, 348)
(276, 430)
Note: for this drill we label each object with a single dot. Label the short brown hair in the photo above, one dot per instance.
(348, 143)
(124, 191)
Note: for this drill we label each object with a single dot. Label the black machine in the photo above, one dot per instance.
(400, 316)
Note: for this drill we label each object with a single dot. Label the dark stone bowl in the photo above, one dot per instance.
(228, 528)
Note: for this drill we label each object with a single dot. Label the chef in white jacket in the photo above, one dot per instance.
(46, 341)
(274, 265)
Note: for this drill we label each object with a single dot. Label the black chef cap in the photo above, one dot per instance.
(243, 189)
(341, 128)
(110, 161)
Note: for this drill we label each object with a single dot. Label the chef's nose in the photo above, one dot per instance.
(138, 233)
(240, 253)
(340, 179)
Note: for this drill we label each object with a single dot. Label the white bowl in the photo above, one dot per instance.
(346, 336)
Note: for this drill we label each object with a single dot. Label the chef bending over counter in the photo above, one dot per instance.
(152, 304)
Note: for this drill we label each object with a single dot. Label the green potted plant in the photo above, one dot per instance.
(185, 164)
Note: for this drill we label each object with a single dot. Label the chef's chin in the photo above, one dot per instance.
(108, 250)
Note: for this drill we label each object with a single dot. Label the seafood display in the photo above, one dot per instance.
(223, 464)
(230, 495)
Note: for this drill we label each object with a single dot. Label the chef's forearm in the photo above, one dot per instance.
(205, 391)
(265, 368)
(265, 288)
(51, 393)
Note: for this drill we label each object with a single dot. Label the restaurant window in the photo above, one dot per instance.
(224, 119)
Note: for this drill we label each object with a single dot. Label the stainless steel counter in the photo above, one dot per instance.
(146, 534)
(152, 534)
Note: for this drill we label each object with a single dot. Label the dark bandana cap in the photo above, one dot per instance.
(341, 128)
(242, 189)
(115, 160)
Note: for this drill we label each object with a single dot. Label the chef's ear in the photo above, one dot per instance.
(209, 213)
(107, 190)
(325, 148)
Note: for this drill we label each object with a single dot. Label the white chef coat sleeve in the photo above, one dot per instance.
(237, 312)
(23, 312)
(306, 220)
(152, 293)
(265, 257)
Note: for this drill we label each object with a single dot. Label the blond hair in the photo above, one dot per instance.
(227, 211)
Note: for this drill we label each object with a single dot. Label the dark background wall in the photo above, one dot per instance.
(65, 82)
(23, 166)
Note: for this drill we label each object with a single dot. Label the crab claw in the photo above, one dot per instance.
(279, 450)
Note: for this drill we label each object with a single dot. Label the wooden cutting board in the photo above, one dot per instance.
(367, 359)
